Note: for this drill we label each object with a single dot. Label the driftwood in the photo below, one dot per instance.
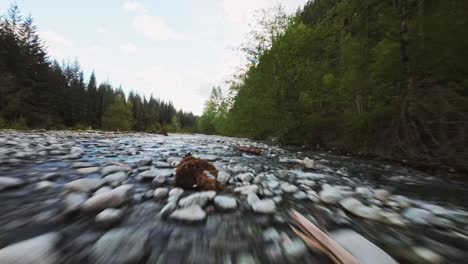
(318, 240)
(251, 150)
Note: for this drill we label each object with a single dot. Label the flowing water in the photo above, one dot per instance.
(436, 232)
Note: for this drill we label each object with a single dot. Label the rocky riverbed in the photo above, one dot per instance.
(95, 197)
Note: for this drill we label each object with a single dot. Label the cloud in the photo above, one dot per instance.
(134, 6)
(155, 28)
(56, 43)
(129, 48)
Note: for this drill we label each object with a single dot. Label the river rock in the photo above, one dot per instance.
(168, 209)
(153, 173)
(103, 189)
(109, 216)
(308, 183)
(361, 248)
(146, 161)
(418, 216)
(300, 195)
(332, 195)
(252, 198)
(73, 201)
(193, 213)
(9, 182)
(245, 177)
(245, 190)
(84, 185)
(271, 235)
(88, 170)
(200, 199)
(355, 206)
(113, 169)
(265, 206)
(161, 164)
(80, 164)
(225, 202)
(382, 195)
(160, 193)
(294, 248)
(176, 192)
(223, 177)
(308, 163)
(428, 256)
(116, 177)
(112, 199)
(37, 250)
(289, 188)
(120, 246)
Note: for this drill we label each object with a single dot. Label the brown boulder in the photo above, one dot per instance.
(190, 174)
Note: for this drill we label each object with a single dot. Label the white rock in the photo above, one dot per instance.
(73, 201)
(176, 192)
(245, 190)
(427, 255)
(103, 189)
(160, 164)
(153, 173)
(245, 177)
(308, 163)
(225, 202)
(174, 161)
(200, 199)
(80, 164)
(9, 182)
(191, 214)
(168, 209)
(113, 169)
(289, 188)
(418, 216)
(119, 246)
(37, 250)
(309, 183)
(252, 198)
(109, 216)
(223, 177)
(265, 206)
(361, 248)
(84, 185)
(146, 161)
(45, 184)
(354, 206)
(88, 170)
(332, 195)
(116, 177)
(382, 194)
(300, 195)
(364, 191)
(112, 199)
(271, 234)
(294, 247)
(160, 193)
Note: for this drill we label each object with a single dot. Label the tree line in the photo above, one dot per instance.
(378, 77)
(39, 92)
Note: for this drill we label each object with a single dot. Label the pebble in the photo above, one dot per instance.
(89, 170)
(223, 177)
(418, 216)
(193, 213)
(265, 206)
(271, 235)
(84, 185)
(200, 199)
(245, 177)
(308, 163)
(245, 190)
(294, 248)
(113, 169)
(289, 188)
(300, 195)
(9, 182)
(146, 161)
(427, 255)
(252, 198)
(332, 195)
(176, 191)
(36, 250)
(116, 177)
(112, 199)
(160, 193)
(168, 209)
(382, 195)
(109, 216)
(73, 201)
(225, 202)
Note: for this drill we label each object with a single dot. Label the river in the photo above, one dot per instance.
(44, 218)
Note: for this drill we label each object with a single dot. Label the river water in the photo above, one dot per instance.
(412, 216)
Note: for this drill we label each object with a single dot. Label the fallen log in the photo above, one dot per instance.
(250, 150)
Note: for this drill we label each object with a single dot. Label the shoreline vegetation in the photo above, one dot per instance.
(377, 78)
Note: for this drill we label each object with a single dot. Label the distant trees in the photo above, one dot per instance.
(39, 92)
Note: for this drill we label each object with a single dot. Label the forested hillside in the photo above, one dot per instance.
(386, 78)
(38, 92)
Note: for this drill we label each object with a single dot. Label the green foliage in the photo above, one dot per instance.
(118, 116)
(346, 71)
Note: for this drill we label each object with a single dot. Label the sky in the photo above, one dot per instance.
(175, 50)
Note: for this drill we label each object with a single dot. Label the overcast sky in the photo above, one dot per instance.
(173, 49)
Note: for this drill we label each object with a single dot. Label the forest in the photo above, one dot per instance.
(37, 91)
(370, 77)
